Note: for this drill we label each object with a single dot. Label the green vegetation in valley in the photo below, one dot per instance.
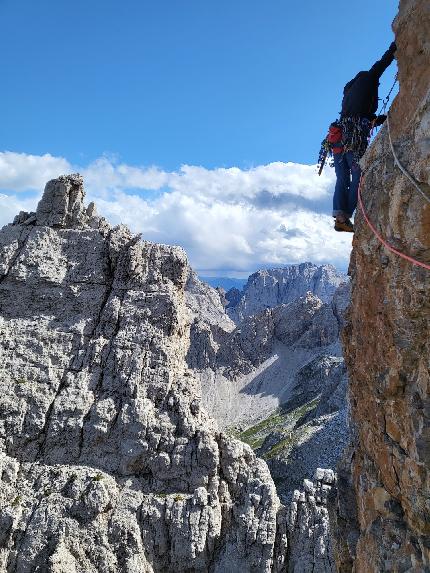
(17, 501)
(282, 421)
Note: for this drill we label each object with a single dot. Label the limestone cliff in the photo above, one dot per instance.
(387, 343)
(108, 463)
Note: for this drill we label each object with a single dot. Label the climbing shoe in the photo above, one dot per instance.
(346, 226)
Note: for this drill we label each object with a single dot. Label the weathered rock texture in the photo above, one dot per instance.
(108, 463)
(387, 342)
(271, 287)
(310, 547)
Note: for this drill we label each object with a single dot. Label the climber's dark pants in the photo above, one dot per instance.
(347, 179)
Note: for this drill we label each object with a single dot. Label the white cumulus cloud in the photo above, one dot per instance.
(24, 172)
(230, 184)
(227, 219)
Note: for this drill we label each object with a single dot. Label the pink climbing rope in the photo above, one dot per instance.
(382, 240)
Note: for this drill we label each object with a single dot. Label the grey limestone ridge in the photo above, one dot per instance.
(270, 287)
(108, 462)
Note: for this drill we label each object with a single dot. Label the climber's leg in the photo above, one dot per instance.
(341, 190)
(355, 171)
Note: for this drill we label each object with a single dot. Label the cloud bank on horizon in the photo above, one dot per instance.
(229, 220)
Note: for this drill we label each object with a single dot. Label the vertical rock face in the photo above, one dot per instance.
(308, 523)
(107, 461)
(205, 304)
(387, 343)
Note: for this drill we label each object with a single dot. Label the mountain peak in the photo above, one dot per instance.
(62, 205)
(268, 288)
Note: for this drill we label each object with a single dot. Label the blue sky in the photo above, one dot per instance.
(172, 83)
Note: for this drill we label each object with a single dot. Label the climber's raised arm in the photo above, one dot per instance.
(381, 65)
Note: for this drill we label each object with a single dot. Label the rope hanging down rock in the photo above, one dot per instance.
(409, 177)
(381, 239)
(400, 166)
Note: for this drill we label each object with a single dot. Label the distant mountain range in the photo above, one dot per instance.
(270, 365)
(268, 288)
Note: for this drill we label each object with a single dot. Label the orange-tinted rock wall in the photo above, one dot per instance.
(387, 340)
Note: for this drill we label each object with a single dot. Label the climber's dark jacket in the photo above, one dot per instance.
(360, 95)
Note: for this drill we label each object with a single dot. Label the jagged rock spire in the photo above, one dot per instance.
(62, 204)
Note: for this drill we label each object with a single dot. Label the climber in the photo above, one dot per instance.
(348, 137)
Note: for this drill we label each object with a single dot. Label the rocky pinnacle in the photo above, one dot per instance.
(108, 462)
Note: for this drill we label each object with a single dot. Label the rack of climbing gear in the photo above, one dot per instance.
(324, 153)
(332, 143)
(355, 134)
